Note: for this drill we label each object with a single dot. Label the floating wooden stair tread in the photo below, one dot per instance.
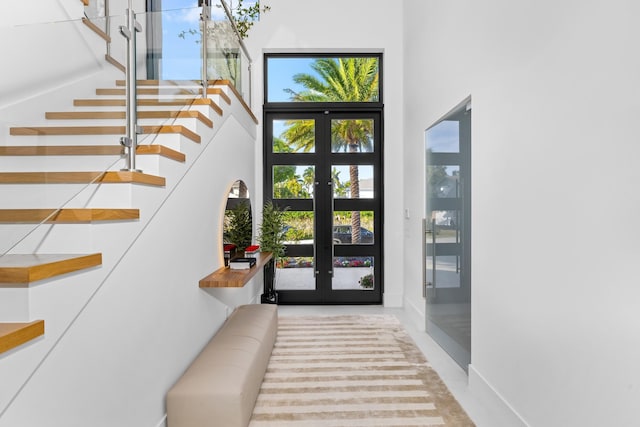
(13, 335)
(100, 115)
(80, 177)
(28, 216)
(149, 103)
(179, 83)
(33, 267)
(102, 130)
(87, 150)
(167, 91)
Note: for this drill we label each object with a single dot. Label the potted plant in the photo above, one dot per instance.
(271, 239)
(366, 281)
(238, 226)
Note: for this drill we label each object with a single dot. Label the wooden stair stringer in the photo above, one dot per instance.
(96, 29)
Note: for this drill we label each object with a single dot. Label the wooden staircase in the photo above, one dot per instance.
(159, 102)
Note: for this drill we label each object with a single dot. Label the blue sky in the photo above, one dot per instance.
(280, 75)
(181, 56)
(443, 137)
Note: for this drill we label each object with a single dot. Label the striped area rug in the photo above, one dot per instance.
(351, 371)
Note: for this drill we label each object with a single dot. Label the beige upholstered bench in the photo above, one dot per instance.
(220, 387)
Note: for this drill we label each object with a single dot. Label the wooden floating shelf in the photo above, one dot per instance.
(28, 268)
(225, 277)
(13, 335)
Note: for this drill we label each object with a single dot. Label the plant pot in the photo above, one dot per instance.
(269, 295)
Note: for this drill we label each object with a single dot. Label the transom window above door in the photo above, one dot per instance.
(323, 79)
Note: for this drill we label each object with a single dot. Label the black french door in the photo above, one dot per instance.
(325, 168)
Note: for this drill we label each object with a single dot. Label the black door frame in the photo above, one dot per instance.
(323, 159)
(318, 110)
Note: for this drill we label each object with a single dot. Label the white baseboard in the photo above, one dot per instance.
(390, 300)
(416, 313)
(504, 414)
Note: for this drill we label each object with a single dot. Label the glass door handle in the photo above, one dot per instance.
(425, 231)
(424, 257)
(433, 252)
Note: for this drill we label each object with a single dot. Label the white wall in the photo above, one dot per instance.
(554, 88)
(118, 336)
(45, 45)
(347, 26)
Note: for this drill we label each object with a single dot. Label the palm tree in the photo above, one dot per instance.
(340, 80)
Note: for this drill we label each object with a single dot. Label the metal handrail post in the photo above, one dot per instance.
(131, 139)
(205, 16)
(107, 25)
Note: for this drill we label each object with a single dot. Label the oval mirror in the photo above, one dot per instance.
(237, 231)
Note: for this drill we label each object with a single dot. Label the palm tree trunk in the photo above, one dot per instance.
(355, 194)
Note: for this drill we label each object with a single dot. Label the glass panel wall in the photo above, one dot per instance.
(447, 235)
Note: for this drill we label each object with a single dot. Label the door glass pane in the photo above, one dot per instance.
(447, 271)
(293, 182)
(291, 79)
(446, 226)
(294, 136)
(352, 136)
(352, 181)
(353, 227)
(353, 272)
(443, 181)
(299, 226)
(295, 273)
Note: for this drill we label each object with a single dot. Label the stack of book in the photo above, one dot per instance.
(242, 263)
(252, 251)
(229, 252)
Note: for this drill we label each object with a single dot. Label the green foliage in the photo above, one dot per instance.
(238, 225)
(243, 16)
(341, 80)
(366, 281)
(271, 233)
(287, 184)
(246, 16)
(300, 225)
